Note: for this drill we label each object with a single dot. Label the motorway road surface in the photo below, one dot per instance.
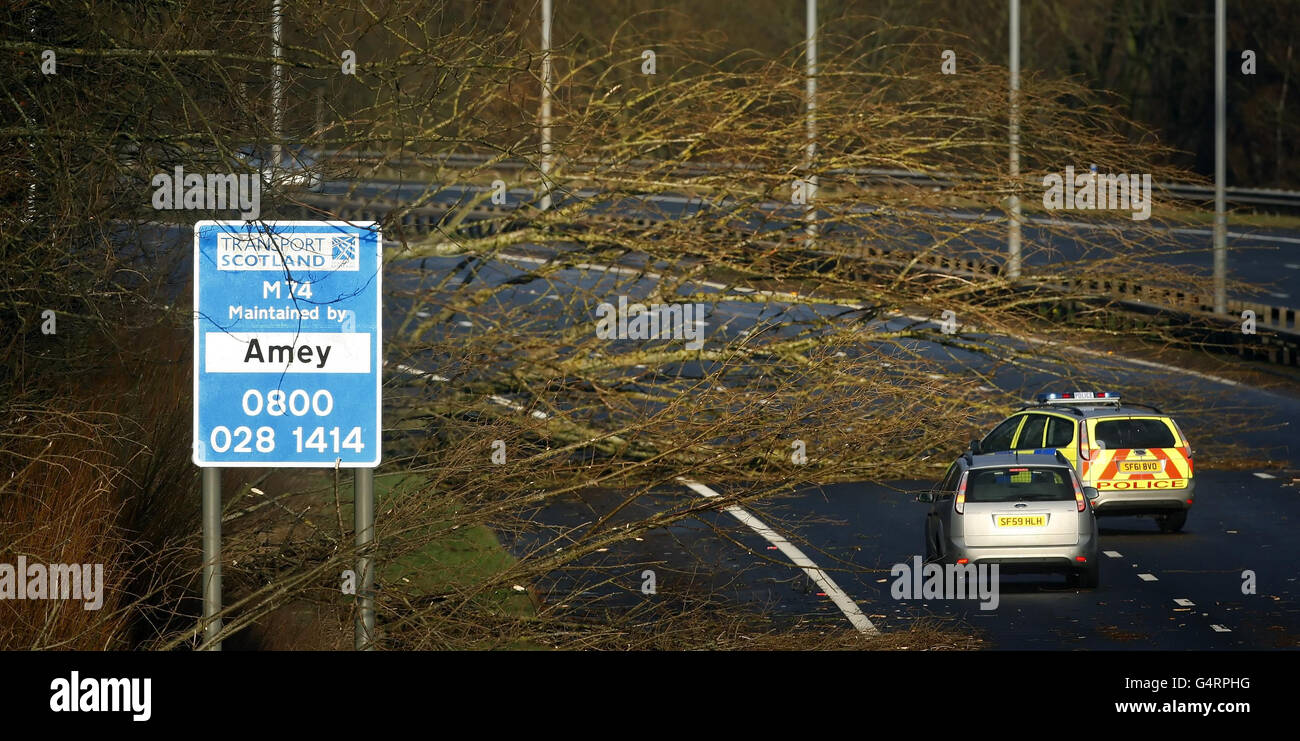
(1157, 591)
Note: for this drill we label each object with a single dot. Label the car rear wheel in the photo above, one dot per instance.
(1172, 523)
(1088, 577)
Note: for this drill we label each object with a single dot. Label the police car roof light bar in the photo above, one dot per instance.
(1074, 397)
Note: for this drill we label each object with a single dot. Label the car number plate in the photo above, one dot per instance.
(1021, 520)
(1141, 466)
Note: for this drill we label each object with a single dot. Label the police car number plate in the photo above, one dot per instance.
(1141, 466)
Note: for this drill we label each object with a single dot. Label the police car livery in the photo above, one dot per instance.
(1133, 454)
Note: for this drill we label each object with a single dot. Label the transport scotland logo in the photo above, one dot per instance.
(291, 251)
(345, 249)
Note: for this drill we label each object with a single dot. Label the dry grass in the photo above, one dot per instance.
(98, 472)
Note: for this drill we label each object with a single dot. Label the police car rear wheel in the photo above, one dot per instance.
(1172, 523)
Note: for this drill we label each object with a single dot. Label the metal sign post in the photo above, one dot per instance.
(277, 88)
(363, 518)
(545, 114)
(1013, 235)
(287, 368)
(211, 558)
(1220, 158)
(810, 102)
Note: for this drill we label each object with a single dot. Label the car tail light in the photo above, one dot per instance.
(1186, 442)
(1081, 559)
(1187, 445)
(959, 504)
(1079, 500)
(1085, 449)
(963, 561)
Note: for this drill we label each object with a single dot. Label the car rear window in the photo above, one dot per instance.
(1019, 482)
(1113, 434)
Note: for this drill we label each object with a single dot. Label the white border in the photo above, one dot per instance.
(379, 347)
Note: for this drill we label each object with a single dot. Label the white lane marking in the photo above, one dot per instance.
(1184, 602)
(1265, 475)
(1113, 554)
(1238, 235)
(503, 401)
(832, 590)
(494, 398)
(1148, 577)
(1135, 361)
(417, 372)
(1220, 629)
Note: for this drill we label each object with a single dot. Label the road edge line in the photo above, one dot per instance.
(841, 599)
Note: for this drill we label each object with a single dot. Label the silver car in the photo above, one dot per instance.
(1026, 512)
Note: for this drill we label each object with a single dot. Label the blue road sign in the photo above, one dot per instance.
(287, 344)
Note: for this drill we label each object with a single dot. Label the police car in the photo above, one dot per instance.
(1133, 454)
